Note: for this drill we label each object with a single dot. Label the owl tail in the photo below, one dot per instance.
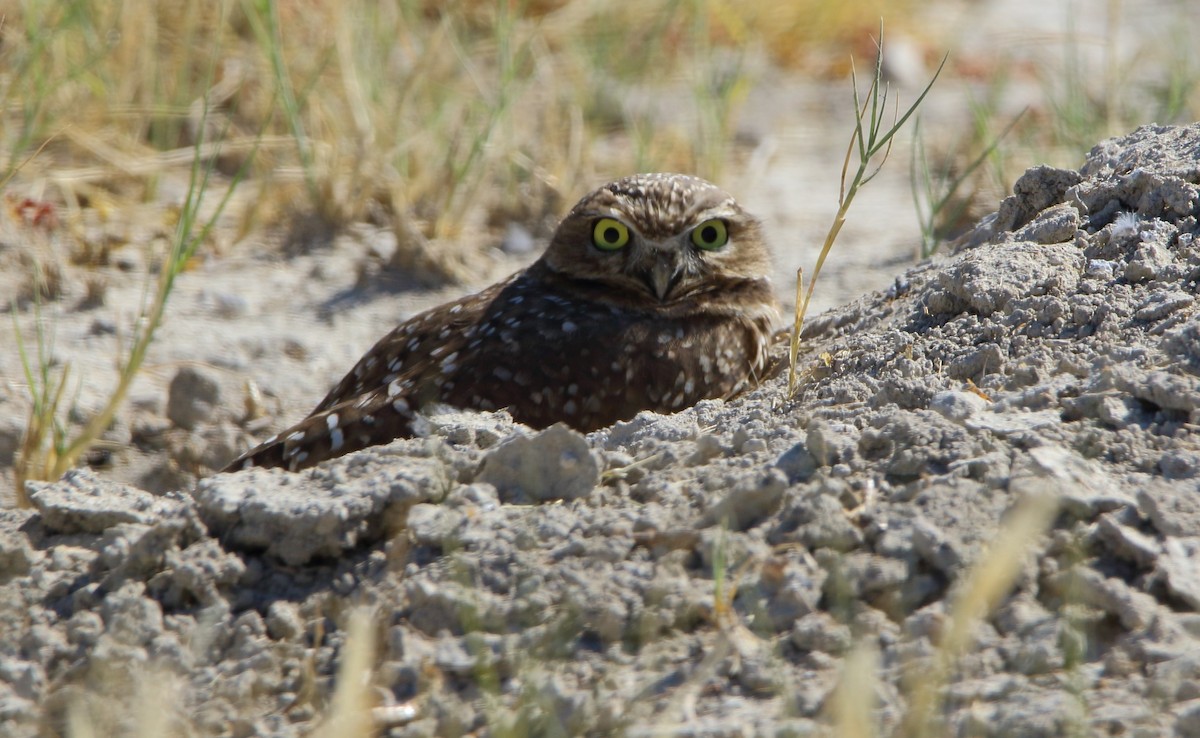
(352, 425)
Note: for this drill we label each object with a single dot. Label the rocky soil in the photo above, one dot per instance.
(704, 573)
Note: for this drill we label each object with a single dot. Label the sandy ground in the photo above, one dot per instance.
(700, 574)
(705, 573)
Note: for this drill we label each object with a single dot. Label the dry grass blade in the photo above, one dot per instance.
(797, 325)
(873, 143)
(263, 16)
(851, 706)
(988, 582)
(929, 203)
(349, 713)
(189, 235)
(34, 460)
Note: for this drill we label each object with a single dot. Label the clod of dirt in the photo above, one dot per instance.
(278, 513)
(82, 503)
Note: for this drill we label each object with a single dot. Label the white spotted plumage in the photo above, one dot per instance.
(585, 336)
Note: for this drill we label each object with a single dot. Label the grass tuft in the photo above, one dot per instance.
(871, 143)
(935, 194)
(46, 450)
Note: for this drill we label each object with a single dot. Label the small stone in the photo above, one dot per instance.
(818, 631)
(1168, 677)
(1100, 269)
(16, 555)
(129, 259)
(864, 575)
(791, 587)
(1133, 609)
(830, 443)
(647, 426)
(797, 463)
(935, 548)
(1184, 341)
(103, 327)
(85, 628)
(816, 520)
(81, 502)
(193, 396)
(26, 678)
(1127, 541)
(433, 525)
(1083, 488)
(479, 496)
(323, 513)
(1034, 191)
(708, 447)
(1180, 564)
(1148, 260)
(1020, 614)
(988, 281)
(1180, 464)
(1014, 423)
(284, 621)
(927, 623)
(1187, 719)
(1173, 508)
(229, 305)
(555, 464)
(750, 501)
(1054, 225)
(753, 446)
(1161, 304)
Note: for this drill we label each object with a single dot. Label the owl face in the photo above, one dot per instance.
(659, 238)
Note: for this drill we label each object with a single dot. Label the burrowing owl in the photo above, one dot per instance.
(652, 295)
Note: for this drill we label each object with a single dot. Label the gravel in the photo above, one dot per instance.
(704, 573)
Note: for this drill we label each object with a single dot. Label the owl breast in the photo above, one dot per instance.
(550, 355)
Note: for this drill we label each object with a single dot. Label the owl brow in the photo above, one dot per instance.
(592, 215)
(719, 212)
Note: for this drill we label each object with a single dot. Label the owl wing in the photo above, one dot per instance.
(418, 343)
(371, 419)
(377, 400)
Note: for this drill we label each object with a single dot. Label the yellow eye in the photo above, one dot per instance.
(710, 235)
(610, 234)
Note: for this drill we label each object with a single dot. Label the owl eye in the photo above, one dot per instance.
(710, 235)
(610, 234)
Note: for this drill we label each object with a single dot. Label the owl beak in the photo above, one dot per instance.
(663, 276)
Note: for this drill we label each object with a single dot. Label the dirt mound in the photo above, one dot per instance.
(705, 572)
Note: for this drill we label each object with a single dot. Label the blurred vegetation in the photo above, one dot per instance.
(420, 115)
(1018, 112)
(430, 118)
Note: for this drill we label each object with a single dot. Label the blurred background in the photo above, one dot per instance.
(425, 148)
(439, 119)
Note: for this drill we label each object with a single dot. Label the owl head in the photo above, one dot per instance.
(659, 239)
